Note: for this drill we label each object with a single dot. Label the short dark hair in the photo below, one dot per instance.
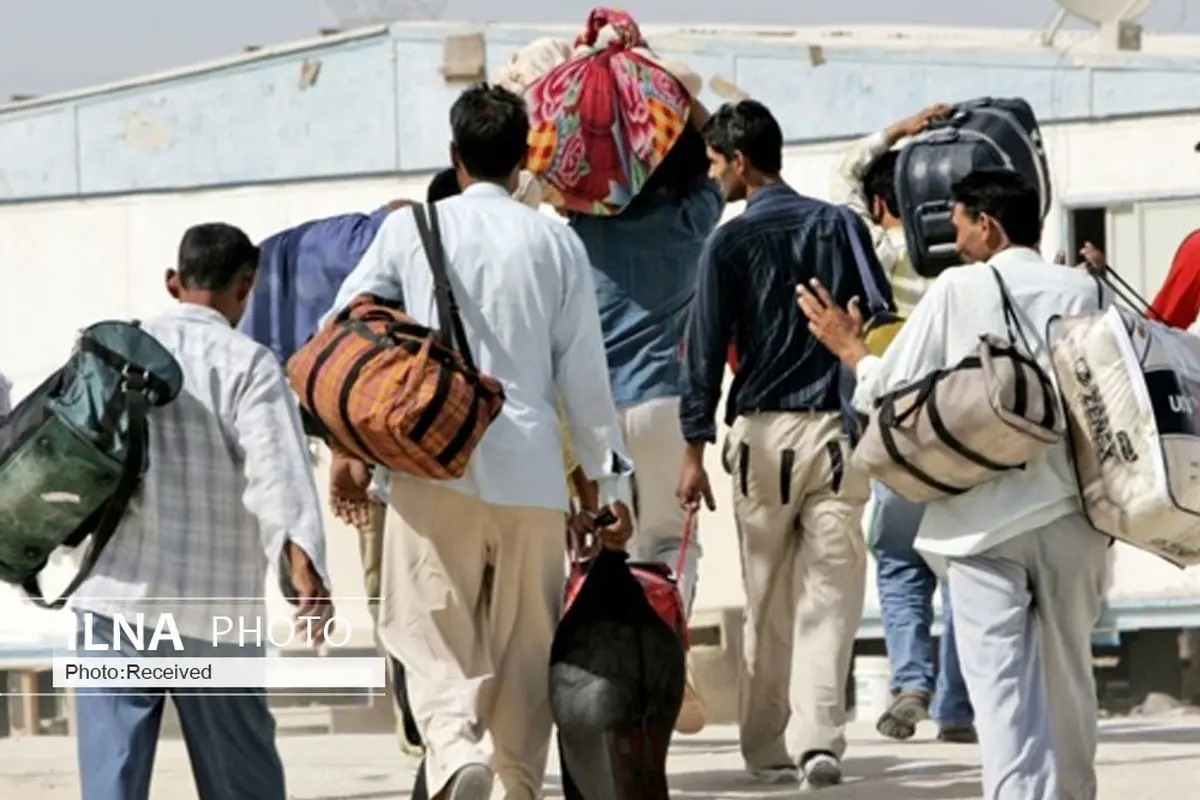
(212, 255)
(685, 166)
(443, 185)
(490, 126)
(1006, 197)
(748, 127)
(880, 181)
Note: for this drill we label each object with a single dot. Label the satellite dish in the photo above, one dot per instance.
(360, 13)
(1106, 12)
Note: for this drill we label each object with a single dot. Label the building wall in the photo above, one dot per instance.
(71, 262)
(375, 102)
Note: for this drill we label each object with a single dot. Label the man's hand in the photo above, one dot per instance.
(911, 126)
(396, 205)
(349, 480)
(314, 608)
(1094, 259)
(616, 534)
(586, 537)
(838, 329)
(693, 481)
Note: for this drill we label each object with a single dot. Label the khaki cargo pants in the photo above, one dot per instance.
(798, 506)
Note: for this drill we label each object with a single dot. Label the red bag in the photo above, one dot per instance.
(660, 584)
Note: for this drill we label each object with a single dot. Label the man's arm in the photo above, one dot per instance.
(280, 491)
(378, 272)
(1178, 301)
(581, 374)
(846, 185)
(918, 349)
(706, 343)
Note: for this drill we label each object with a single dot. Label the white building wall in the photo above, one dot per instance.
(66, 264)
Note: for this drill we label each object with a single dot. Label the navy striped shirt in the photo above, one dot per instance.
(746, 293)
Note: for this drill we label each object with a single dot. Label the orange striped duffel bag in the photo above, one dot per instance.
(396, 393)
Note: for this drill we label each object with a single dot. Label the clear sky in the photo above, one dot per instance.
(55, 45)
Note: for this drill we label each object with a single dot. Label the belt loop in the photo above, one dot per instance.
(743, 466)
(787, 462)
(836, 464)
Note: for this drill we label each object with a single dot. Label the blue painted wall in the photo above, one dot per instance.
(379, 105)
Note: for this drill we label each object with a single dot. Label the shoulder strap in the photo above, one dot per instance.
(875, 302)
(450, 327)
(1011, 321)
(114, 509)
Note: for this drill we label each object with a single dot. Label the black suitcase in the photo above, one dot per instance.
(979, 134)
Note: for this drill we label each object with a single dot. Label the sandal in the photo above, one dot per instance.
(909, 708)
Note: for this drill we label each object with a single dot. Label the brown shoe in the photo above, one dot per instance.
(692, 713)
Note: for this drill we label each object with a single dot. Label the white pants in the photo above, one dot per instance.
(472, 593)
(655, 442)
(1023, 617)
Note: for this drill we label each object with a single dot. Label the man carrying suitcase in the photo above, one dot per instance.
(921, 684)
(1025, 568)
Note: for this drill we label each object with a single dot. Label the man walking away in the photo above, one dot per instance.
(473, 569)
(1026, 571)
(229, 489)
(866, 183)
(645, 269)
(797, 502)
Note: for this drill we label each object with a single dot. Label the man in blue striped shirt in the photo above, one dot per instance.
(797, 502)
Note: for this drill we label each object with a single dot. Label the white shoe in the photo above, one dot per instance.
(822, 771)
(784, 773)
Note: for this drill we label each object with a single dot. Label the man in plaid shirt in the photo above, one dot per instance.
(229, 491)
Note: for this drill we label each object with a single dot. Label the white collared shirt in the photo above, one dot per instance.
(528, 304)
(961, 305)
(229, 482)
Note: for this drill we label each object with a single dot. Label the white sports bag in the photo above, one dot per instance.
(1131, 388)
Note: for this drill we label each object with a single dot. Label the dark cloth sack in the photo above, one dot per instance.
(617, 672)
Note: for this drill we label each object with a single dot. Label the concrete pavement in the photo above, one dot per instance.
(1139, 760)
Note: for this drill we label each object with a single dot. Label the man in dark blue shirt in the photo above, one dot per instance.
(797, 501)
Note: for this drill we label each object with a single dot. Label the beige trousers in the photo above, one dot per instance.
(655, 442)
(472, 593)
(798, 506)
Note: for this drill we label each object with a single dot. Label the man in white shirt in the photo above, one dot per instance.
(1026, 571)
(229, 491)
(474, 568)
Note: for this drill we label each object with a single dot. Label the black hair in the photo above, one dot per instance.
(490, 126)
(213, 255)
(750, 128)
(685, 166)
(443, 185)
(1006, 197)
(880, 181)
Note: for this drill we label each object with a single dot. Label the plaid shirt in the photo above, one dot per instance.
(229, 481)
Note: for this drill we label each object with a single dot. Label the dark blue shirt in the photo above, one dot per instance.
(746, 292)
(644, 262)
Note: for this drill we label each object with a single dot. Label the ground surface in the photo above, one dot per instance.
(1146, 760)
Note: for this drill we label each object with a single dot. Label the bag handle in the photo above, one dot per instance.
(450, 326)
(114, 510)
(875, 302)
(685, 542)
